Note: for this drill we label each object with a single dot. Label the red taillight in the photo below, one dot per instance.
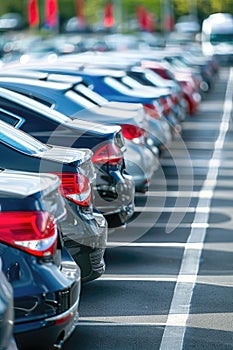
(175, 98)
(133, 133)
(75, 187)
(65, 318)
(187, 87)
(166, 105)
(152, 111)
(107, 153)
(32, 231)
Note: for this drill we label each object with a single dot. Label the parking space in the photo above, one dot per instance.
(138, 302)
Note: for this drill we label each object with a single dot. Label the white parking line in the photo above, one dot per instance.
(142, 278)
(198, 163)
(226, 172)
(228, 194)
(196, 126)
(155, 245)
(173, 337)
(166, 209)
(194, 145)
(165, 225)
(158, 321)
(199, 145)
(115, 323)
(171, 194)
(175, 182)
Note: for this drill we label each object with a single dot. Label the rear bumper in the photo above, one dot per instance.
(48, 333)
(46, 307)
(116, 200)
(141, 164)
(121, 217)
(85, 237)
(86, 228)
(90, 260)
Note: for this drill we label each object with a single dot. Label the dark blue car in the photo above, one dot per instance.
(84, 231)
(7, 341)
(45, 279)
(114, 188)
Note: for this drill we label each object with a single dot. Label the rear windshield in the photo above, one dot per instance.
(25, 99)
(20, 141)
(90, 94)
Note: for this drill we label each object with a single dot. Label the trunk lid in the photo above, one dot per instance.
(31, 190)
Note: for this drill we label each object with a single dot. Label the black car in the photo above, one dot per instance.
(7, 341)
(85, 229)
(44, 277)
(114, 187)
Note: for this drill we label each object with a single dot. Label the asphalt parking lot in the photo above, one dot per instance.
(169, 280)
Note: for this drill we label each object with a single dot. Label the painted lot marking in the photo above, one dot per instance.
(223, 194)
(198, 163)
(173, 337)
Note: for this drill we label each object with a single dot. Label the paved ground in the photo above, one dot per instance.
(169, 278)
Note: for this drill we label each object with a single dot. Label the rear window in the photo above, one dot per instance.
(38, 99)
(10, 118)
(26, 100)
(140, 78)
(117, 84)
(33, 97)
(90, 94)
(82, 101)
(20, 141)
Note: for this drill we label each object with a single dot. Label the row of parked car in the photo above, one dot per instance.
(79, 138)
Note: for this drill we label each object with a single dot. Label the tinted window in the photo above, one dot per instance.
(32, 111)
(82, 101)
(117, 84)
(33, 97)
(10, 119)
(140, 78)
(20, 140)
(91, 95)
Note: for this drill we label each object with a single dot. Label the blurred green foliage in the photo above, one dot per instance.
(94, 10)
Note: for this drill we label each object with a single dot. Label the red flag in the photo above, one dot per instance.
(108, 15)
(141, 13)
(51, 13)
(145, 19)
(33, 13)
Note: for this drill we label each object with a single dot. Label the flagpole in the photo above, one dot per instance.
(118, 7)
(167, 16)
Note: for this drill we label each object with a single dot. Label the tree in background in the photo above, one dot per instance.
(202, 8)
(94, 10)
